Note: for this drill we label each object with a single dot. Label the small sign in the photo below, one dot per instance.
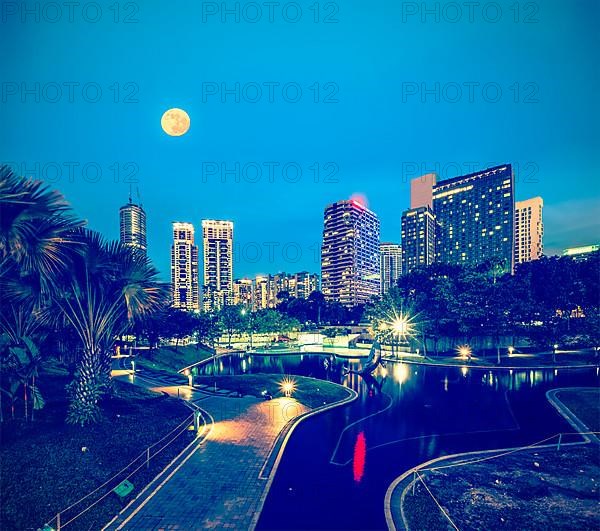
(123, 489)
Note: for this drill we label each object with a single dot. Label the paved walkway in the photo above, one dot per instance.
(216, 483)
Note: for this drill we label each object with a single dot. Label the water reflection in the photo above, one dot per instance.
(405, 414)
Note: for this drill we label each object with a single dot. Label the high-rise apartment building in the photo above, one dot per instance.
(267, 287)
(184, 268)
(217, 237)
(475, 217)
(306, 283)
(418, 238)
(132, 224)
(261, 292)
(350, 253)
(529, 230)
(243, 292)
(390, 265)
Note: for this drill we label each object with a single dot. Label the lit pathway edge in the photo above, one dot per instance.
(151, 488)
(394, 496)
(352, 396)
(135, 515)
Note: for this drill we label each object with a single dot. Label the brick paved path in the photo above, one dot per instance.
(216, 484)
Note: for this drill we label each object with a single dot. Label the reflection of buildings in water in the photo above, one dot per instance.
(516, 379)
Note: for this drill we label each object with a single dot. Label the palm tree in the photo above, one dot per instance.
(36, 231)
(110, 286)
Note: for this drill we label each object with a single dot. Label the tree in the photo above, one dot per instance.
(232, 320)
(331, 333)
(108, 288)
(37, 233)
(37, 239)
(207, 328)
(177, 324)
(20, 362)
(335, 313)
(316, 302)
(267, 321)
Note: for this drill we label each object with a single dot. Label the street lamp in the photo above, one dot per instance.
(511, 349)
(464, 351)
(287, 386)
(188, 373)
(400, 326)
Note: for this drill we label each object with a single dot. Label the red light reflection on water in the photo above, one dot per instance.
(360, 454)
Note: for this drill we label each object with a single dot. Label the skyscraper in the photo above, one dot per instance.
(390, 265)
(184, 268)
(306, 283)
(475, 216)
(217, 237)
(132, 223)
(529, 230)
(418, 238)
(350, 253)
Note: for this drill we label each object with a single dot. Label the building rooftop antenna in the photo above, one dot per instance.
(139, 197)
(130, 200)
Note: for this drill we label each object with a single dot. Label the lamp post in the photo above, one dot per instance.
(400, 328)
(250, 323)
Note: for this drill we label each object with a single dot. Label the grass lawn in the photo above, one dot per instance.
(534, 490)
(309, 391)
(168, 359)
(585, 404)
(43, 466)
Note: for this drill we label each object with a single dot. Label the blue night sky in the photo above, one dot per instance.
(378, 133)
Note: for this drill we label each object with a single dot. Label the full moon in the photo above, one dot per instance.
(175, 122)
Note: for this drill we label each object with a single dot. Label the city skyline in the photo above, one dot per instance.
(418, 187)
(377, 136)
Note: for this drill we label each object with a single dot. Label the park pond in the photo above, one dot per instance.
(337, 466)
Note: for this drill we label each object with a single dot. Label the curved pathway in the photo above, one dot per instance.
(219, 481)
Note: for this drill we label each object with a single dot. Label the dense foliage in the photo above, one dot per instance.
(58, 279)
(548, 301)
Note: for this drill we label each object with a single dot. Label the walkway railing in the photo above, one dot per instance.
(418, 473)
(71, 513)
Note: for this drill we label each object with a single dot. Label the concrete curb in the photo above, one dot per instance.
(352, 396)
(571, 418)
(489, 367)
(405, 480)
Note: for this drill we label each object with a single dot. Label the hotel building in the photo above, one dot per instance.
(350, 253)
(184, 268)
(529, 230)
(475, 217)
